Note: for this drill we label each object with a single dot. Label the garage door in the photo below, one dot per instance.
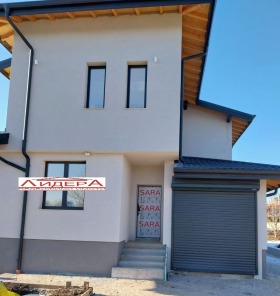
(214, 231)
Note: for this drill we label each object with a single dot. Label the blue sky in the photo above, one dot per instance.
(242, 72)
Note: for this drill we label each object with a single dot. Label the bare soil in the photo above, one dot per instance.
(185, 284)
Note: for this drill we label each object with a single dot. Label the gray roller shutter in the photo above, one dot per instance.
(214, 231)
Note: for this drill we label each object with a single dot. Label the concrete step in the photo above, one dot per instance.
(142, 257)
(140, 263)
(138, 273)
(145, 245)
(141, 260)
(143, 251)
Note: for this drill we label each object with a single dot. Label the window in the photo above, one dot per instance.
(67, 200)
(96, 87)
(136, 88)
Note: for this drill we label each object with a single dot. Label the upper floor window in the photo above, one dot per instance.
(137, 86)
(96, 87)
(67, 200)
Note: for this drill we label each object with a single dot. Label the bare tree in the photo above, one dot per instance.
(273, 214)
(76, 198)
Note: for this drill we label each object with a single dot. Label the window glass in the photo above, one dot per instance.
(76, 198)
(64, 199)
(137, 87)
(96, 87)
(53, 198)
(55, 170)
(76, 170)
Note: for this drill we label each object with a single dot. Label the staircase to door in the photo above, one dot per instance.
(141, 260)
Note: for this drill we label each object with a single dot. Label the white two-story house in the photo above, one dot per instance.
(111, 89)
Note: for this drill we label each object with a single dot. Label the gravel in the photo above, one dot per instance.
(177, 285)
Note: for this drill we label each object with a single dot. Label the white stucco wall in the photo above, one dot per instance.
(64, 49)
(149, 175)
(99, 221)
(261, 224)
(206, 135)
(10, 197)
(108, 215)
(167, 209)
(124, 212)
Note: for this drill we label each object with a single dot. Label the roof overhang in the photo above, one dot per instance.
(240, 120)
(207, 168)
(196, 20)
(197, 17)
(5, 67)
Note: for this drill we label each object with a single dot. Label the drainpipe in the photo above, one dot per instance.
(12, 164)
(24, 139)
(203, 54)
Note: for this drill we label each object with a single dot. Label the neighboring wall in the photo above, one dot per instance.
(59, 120)
(206, 134)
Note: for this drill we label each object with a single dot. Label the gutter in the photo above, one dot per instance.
(274, 192)
(24, 138)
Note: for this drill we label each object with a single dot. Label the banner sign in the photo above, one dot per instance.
(59, 183)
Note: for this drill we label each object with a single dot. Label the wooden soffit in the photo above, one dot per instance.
(272, 184)
(195, 19)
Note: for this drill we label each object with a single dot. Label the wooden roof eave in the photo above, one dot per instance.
(5, 67)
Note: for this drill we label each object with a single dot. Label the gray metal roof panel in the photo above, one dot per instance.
(225, 110)
(55, 6)
(210, 164)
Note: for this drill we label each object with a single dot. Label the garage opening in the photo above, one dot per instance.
(214, 229)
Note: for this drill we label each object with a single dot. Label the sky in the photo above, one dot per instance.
(242, 72)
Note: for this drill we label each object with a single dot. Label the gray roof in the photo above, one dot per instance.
(57, 6)
(192, 164)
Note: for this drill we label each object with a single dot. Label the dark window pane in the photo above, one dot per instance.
(137, 87)
(96, 87)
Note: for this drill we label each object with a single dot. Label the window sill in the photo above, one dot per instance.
(62, 209)
(94, 109)
(135, 108)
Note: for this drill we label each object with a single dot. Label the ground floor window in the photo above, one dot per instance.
(64, 199)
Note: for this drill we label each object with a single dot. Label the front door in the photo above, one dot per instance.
(149, 212)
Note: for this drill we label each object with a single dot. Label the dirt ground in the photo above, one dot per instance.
(177, 285)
